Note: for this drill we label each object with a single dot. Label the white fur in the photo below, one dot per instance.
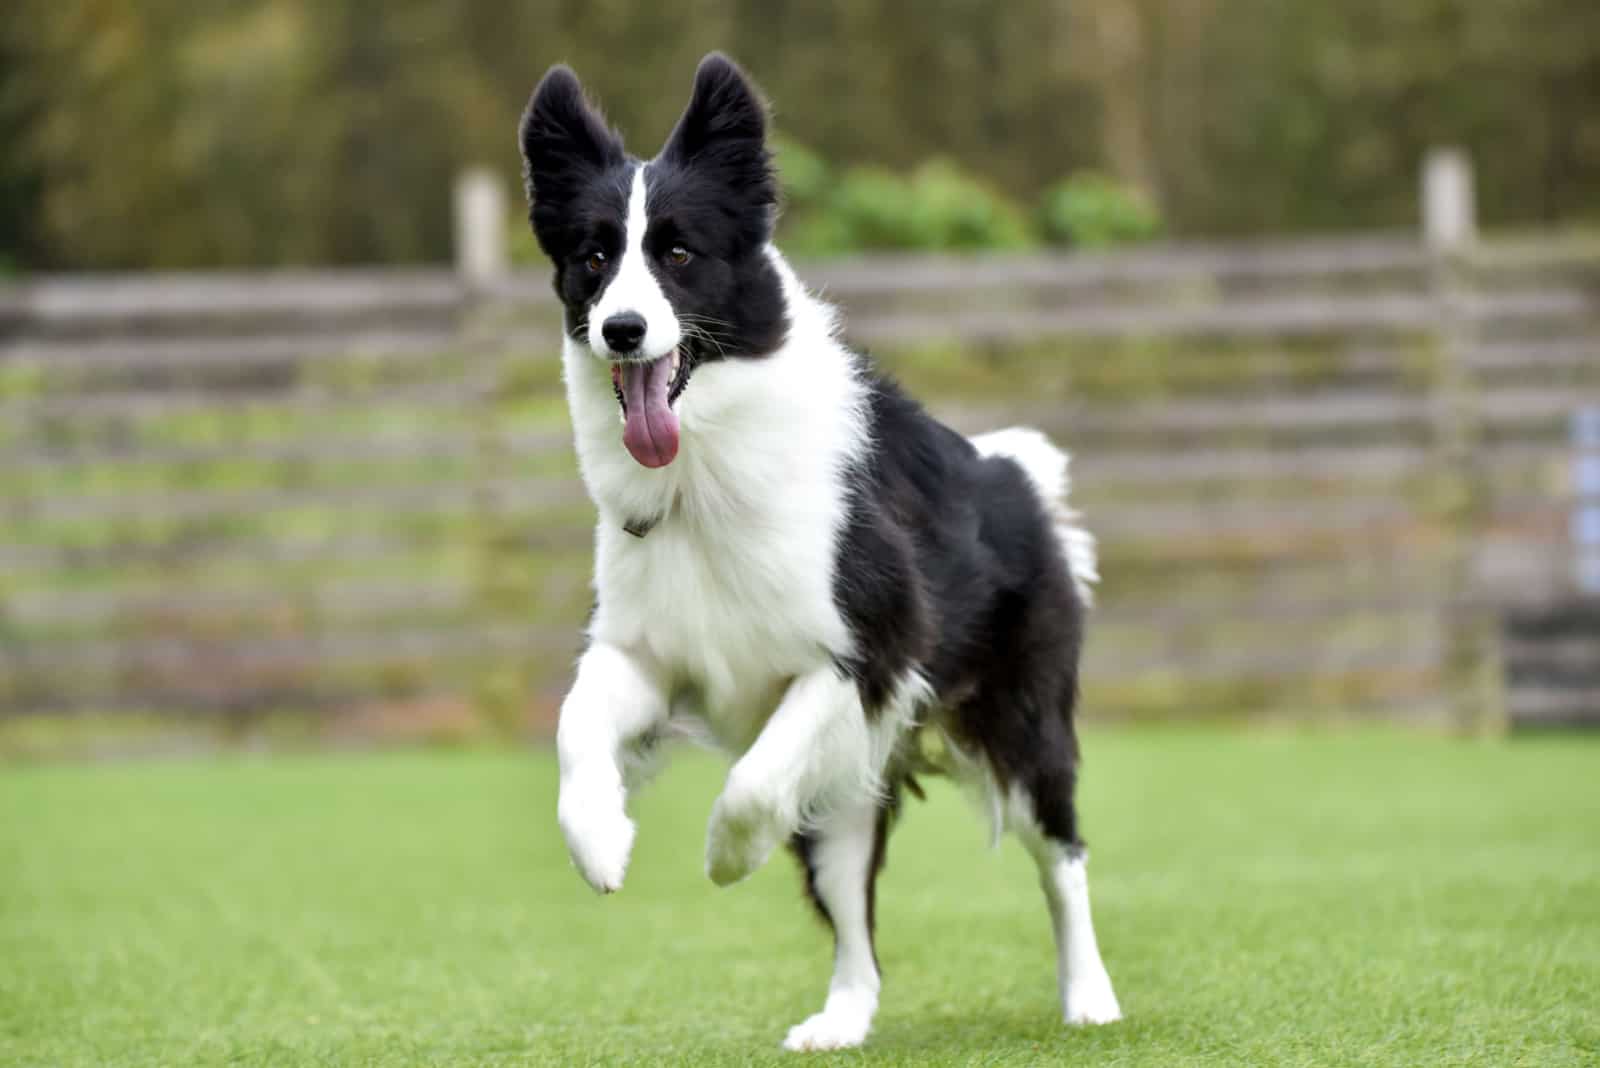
(843, 1023)
(818, 753)
(1046, 467)
(1081, 977)
(613, 701)
(842, 860)
(634, 288)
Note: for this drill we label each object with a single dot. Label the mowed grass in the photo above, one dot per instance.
(1262, 898)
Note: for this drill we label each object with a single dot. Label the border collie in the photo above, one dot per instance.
(792, 558)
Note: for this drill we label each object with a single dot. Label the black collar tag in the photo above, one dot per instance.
(640, 527)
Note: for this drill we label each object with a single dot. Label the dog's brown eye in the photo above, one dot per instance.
(677, 256)
(596, 262)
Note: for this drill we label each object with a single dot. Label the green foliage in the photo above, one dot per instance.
(807, 178)
(1091, 210)
(938, 207)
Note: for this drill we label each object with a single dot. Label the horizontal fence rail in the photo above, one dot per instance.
(1331, 477)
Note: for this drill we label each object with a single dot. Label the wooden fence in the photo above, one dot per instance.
(1320, 471)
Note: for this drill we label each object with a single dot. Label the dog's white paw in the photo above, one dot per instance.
(843, 1024)
(743, 832)
(599, 836)
(1091, 1000)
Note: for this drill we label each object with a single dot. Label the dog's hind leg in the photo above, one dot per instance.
(1047, 826)
(842, 857)
(1085, 986)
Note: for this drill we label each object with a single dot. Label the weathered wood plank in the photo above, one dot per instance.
(1555, 706)
(272, 549)
(1279, 663)
(1102, 469)
(1358, 411)
(1569, 617)
(344, 601)
(421, 447)
(213, 661)
(88, 300)
(132, 406)
(1517, 356)
(413, 498)
(1284, 316)
(117, 356)
(1567, 660)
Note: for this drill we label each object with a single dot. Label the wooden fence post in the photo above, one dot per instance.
(1449, 209)
(1586, 507)
(481, 223)
(1449, 219)
(480, 227)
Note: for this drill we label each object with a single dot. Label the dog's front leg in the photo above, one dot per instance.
(613, 702)
(817, 750)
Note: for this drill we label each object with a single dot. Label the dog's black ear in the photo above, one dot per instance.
(565, 143)
(724, 130)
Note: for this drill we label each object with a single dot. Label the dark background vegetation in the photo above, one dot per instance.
(166, 133)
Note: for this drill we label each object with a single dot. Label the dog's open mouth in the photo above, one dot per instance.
(647, 390)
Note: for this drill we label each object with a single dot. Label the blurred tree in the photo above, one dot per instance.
(381, 135)
(1316, 115)
(1108, 44)
(167, 133)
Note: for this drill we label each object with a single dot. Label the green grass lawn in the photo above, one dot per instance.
(1266, 898)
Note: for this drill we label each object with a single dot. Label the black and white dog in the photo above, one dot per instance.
(792, 557)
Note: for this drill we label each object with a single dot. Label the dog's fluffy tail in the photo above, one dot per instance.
(1046, 467)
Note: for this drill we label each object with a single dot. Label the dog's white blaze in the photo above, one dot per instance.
(634, 287)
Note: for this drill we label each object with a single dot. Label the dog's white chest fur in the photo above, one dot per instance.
(730, 594)
(698, 608)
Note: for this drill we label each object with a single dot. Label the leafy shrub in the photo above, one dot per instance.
(806, 176)
(1090, 210)
(954, 210)
(937, 207)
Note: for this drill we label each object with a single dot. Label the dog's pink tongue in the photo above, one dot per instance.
(651, 430)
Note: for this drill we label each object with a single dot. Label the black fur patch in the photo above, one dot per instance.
(949, 565)
(711, 191)
(577, 179)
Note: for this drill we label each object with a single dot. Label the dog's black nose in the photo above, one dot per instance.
(623, 331)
